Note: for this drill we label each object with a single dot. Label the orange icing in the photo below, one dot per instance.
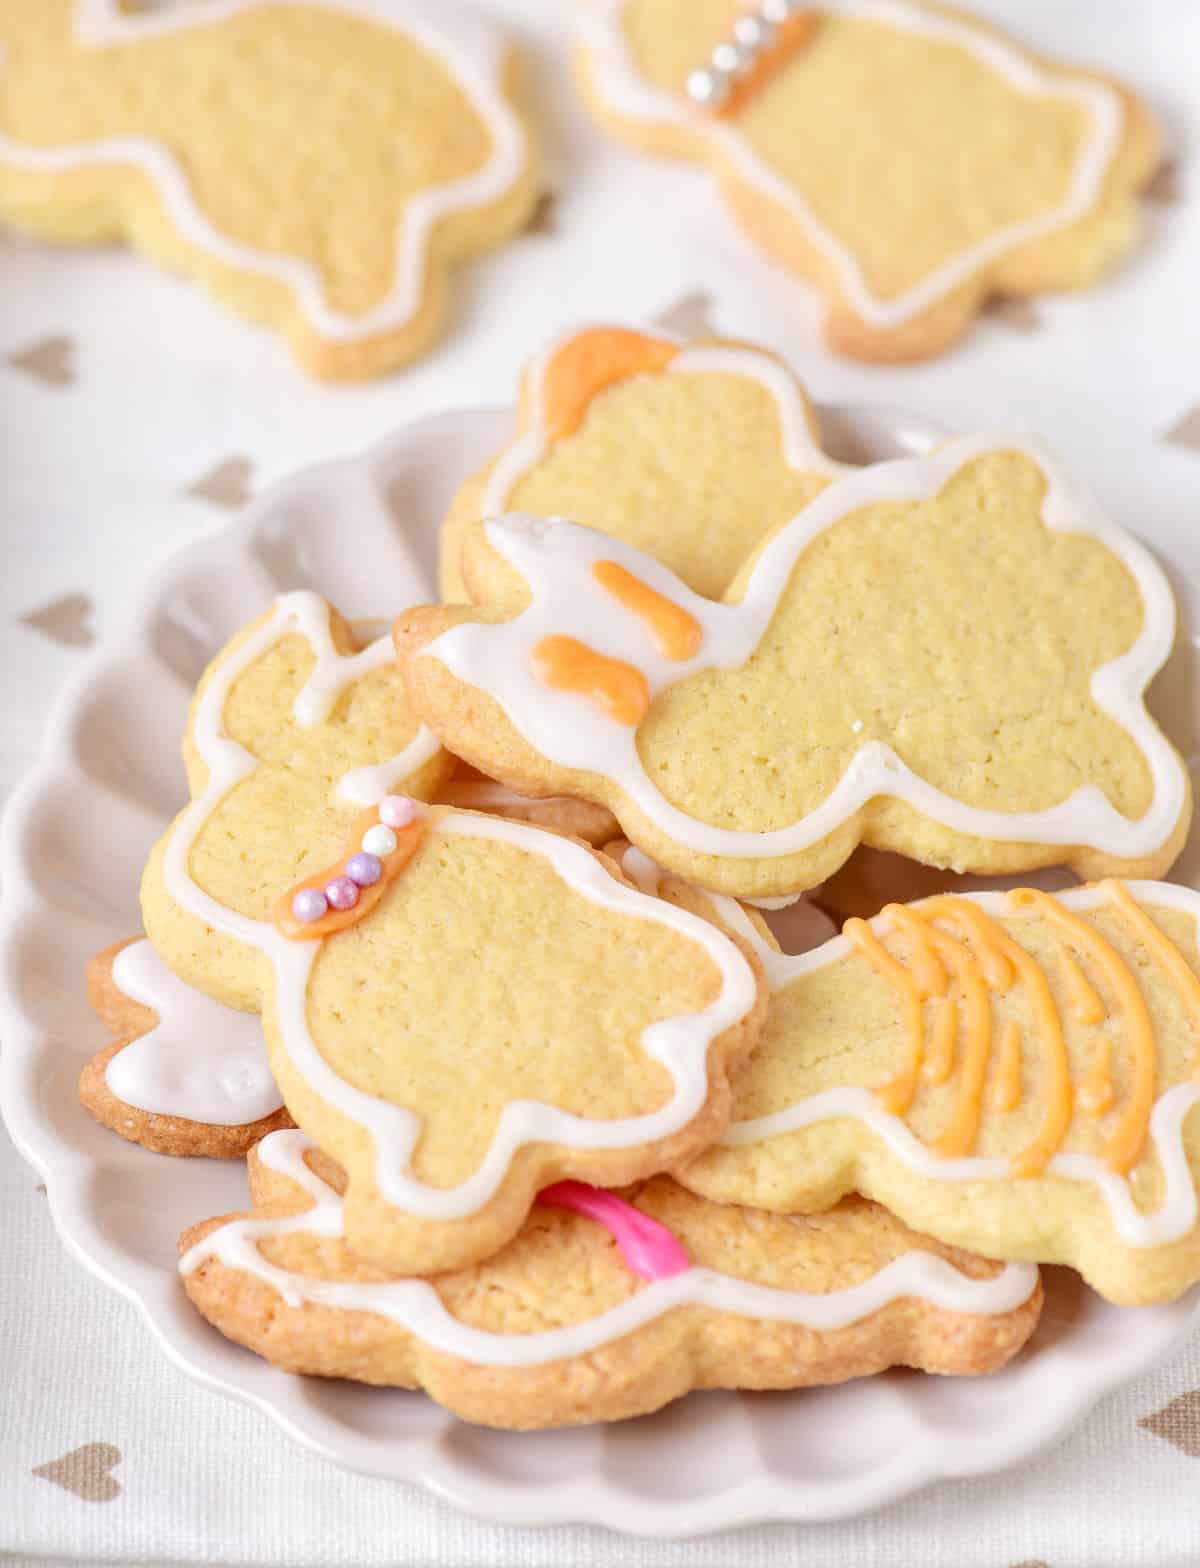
(1165, 951)
(1126, 1142)
(407, 840)
(896, 1095)
(589, 362)
(927, 967)
(1095, 1092)
(790, 38)
(617, 688)
(1005, 1094)
(676, 634)
(1085, 1003)
(939, 1062)
(960, 1131)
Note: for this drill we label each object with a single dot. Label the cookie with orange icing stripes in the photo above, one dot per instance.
(941, 656)
(1017, 1071)
(906, 158)
(693, 453)
(603, 1306)
(183, 1075)
(320, 165)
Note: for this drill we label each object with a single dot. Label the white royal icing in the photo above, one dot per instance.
(629, 94)
(680, 1044)
(555, 558)
(801, 452)
(415, 1306)
(201, 1061)
(1177, 1214)
(471, 52)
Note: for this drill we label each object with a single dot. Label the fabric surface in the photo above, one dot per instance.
(134, 415)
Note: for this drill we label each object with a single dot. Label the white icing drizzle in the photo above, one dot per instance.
(630, 95)
(201, 1061)
(415, 1306)
(555, 558)
(1176, 1216)
(800, 450)
(680, 1044)
(470, 51)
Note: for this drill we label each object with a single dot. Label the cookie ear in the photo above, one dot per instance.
(1016, 1068)
(944, 656)
(294, 729)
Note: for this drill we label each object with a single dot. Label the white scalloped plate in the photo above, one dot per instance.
(75, 837)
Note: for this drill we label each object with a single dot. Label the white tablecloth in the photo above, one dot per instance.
(133, 414)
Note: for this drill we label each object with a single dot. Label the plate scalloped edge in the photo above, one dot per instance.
(1067, 1375)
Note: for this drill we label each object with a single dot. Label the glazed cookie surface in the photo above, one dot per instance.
(183, 1074)
(692, 453)
(943, 656)
(1019, 1068)
(319, 166)
(499, 1010)
(974, 168)
(578, 1320)
(294, 729)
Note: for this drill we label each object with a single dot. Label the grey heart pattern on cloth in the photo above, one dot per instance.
(85, 1471)
(67, 620)
(1186, 432)
(542, 219)
(1165, 188)
(690, 316)
(1178, 1423)
(1014, 310)
(50, 360)
(227, 485)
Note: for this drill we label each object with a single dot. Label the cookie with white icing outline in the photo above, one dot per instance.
(500, 1011)
(1015, 1071)
(942, 656)
(905, 158)
(691, 452)
(183, 1075)
(319, 166)
(295, 728)
(572, 1324)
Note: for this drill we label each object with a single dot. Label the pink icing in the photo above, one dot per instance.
(649, 1248)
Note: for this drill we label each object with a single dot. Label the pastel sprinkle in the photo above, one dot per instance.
(378, 840)
(397, 811)
(364, 870)
(342, 893)
(310, 904)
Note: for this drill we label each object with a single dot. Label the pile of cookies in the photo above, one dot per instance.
(470, 935)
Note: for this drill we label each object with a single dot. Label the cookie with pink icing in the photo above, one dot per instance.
(607, 1309)
(941, 656)
(320, 166)
(691, 452)
(905, 158)
(183, 1075)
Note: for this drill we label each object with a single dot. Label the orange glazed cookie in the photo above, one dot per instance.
(602, 1307)
(318, 164)
(1018, 1070)
(693, 453)
(942, 656)
(906, 158)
